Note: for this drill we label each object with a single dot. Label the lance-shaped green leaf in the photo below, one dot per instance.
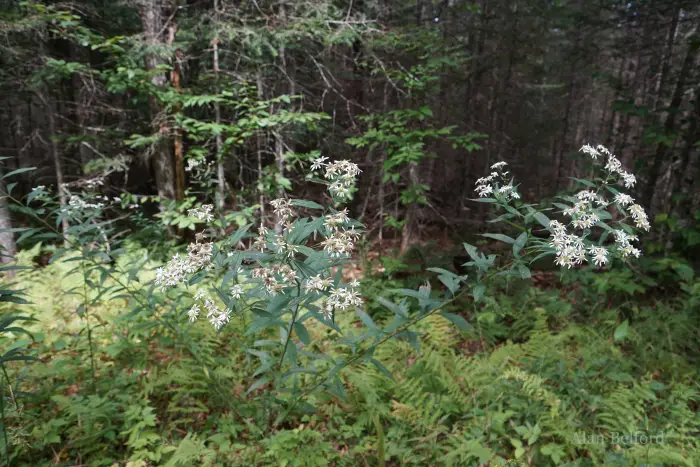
(306, 204)
(478, 292)
(381, 368)
(457, 320)
(585, 182)
(258, 384)
(542, 219)
(302, 333)
(499, 237)
(17, 172)
(519, 244)
(239, 234)
(485, 200)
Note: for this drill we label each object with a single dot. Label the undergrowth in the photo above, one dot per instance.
(538, 379)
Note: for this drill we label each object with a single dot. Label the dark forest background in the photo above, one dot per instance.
(423, 95)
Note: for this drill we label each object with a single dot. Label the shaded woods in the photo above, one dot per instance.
(422, 95)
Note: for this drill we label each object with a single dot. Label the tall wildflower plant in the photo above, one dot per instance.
(288, 276)
(597, 224)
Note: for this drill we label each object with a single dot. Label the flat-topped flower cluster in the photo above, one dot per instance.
(496, 184)
(589, 205)
(279, 272)
(341, 175)
(589, 209)
(179, 268)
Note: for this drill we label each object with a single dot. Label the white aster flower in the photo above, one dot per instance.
(484, 190)
(192, 163)
(600, 255)
(317, 283)
(590, 150)
(628, 179)
(623, 199)
(613, 165)
(318, 163)
(202, 213)
(236, 291)
(283, 209)
(193, 313)
(639, 216)
(340, 299)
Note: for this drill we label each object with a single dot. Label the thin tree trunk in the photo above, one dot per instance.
(407, 233)
(569, 102)
(54, 152)
(666, 60)
(261, 187)
(414, 180)
(684, 175)
(178, 149)
(81, 109)
(220, 174)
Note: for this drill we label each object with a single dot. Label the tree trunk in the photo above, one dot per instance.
(162, 161)
(666, 61)
(81, 109)
(261, 187)
(407, 233)
(662, 147)
(8, 247)
(684, 176)
(53, 151)
(220, 173)
(178, 149)
(569, 101)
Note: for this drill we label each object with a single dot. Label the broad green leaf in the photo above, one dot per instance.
(520, 243)
(478, 292)
(364, 317)
(484, 200)
(524, 271)
(381, 368)
(583, 181)
(622, 331)
(239, 234)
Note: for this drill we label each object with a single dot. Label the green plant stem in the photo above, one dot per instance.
(291, 325)
(89, 330)
(361, 355)
(513, 224)
(4, 424)
(9, 385)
